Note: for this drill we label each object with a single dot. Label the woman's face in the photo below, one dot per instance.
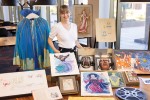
(65, 16)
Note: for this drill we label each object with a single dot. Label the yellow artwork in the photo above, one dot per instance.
(91, 98)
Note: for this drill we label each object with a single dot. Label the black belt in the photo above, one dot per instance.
(62, 50)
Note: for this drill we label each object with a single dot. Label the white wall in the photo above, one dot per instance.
(6, 13)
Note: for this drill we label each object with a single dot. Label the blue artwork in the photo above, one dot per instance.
(96, 83)
(63, 66)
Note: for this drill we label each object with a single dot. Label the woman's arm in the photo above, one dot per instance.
(78, 44)
(50, 42)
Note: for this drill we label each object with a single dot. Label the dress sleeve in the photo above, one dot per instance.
(54, 31)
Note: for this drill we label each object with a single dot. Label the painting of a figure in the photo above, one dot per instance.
(135, 60)
(95, 84)
(116, 79)
(83, 19)
(63, 64)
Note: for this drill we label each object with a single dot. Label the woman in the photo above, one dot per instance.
(66, 33)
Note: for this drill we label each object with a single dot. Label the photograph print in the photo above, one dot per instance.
(63, 64)
(95, 84)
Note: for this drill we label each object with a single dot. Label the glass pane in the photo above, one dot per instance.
(134, 25)
(83, 1)
(53, 15)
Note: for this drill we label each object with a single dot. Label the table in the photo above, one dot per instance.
(9, 28)
(142, 86)
(6, 41)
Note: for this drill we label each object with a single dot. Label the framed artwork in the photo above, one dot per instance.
(131, 78)
(86, 63)
(68, 85)
(51, 93)
(135, 60)
(82, 16)
(63, 64)
(116, 79)
(105, 30)
(19, 83)
(95, 84)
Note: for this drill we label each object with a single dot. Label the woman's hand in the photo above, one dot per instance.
(56, 51)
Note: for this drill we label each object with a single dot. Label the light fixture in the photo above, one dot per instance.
(45, 2)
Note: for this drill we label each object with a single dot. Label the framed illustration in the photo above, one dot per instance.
(105, 30)
(63, 64)
(95, 84)
(86, 63)
(116, 79)
(51, 93)
(19, 83)
(82, 16)
(68, 85)
(135, 60)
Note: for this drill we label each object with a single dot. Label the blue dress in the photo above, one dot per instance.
(32, 48)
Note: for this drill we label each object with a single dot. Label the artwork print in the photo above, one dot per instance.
(83, 19)
(105, 30)
(63, 64)
(116, 79)
(86, 62)
(51, 93)
(135, 60)
(18, 83)
(95, 84)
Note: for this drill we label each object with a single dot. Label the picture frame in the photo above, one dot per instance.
(95, 84)
(106, 56)
(86, 63)
(105, 30)
(63, 64)
(83, 17)
(116, 79)
(68, 85)
(132, 60)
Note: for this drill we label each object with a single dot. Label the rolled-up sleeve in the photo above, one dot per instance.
(53, 32)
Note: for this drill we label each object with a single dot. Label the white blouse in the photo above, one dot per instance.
(66, 38)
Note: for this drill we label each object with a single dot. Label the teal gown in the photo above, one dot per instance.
(32, 48)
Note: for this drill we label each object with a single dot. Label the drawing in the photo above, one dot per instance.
(83, 18)
(51, 93)
(22, 82)
(63, 64)
(68, 84)
(95, 84)
(105, 30)
(116, 79)
(135, 60)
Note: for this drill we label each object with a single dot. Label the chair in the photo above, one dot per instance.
(3, 32)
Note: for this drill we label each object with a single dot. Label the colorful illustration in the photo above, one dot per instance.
(63, 64)
(116, 79)
(138, 61)
(83, 19)
(84, 22)
(95, 84)
(22, 82)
